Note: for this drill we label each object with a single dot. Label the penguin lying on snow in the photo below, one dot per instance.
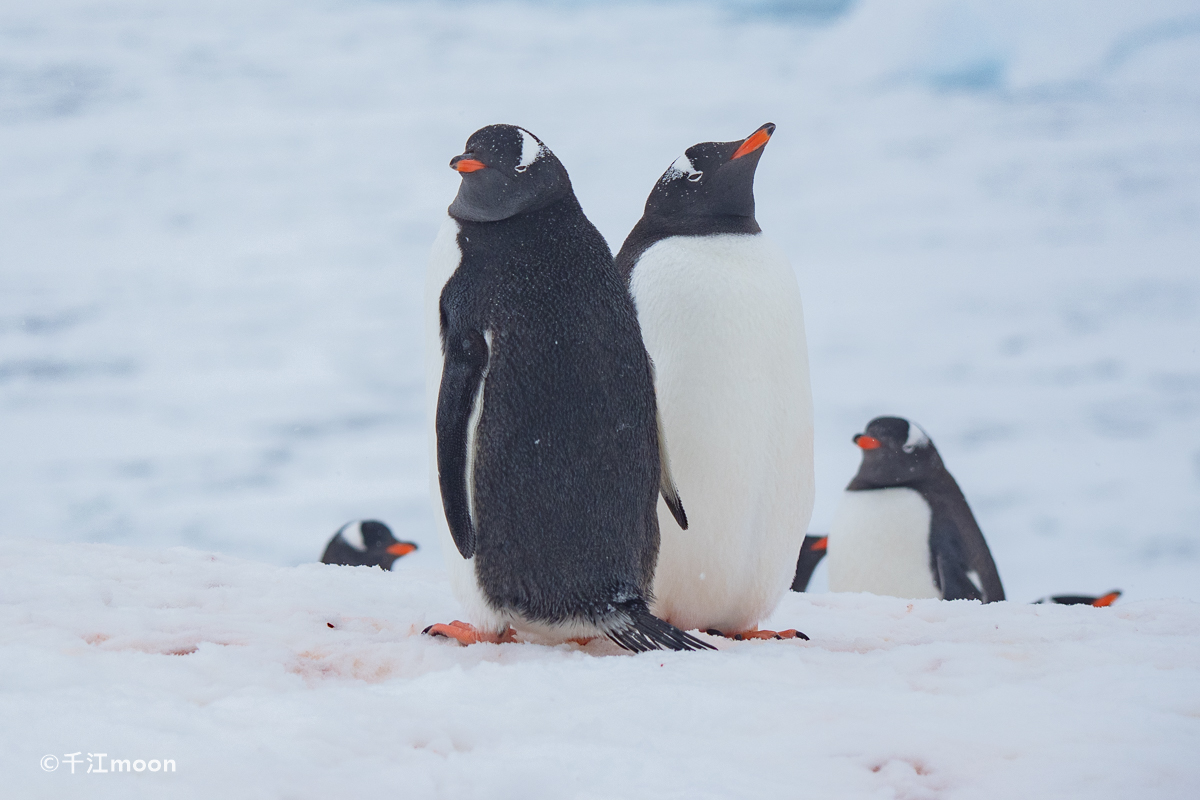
(1103, 601)
(365, 543)
(722, 319)
(903, 527)
(546, 431)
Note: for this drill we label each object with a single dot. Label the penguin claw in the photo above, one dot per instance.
(466, 634)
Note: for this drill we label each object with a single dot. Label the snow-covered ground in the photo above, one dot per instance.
(231, 668)
(214, 220)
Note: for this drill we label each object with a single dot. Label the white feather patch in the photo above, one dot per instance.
(473, 429)
(351, 532)
(973, 576)
(916, 438)
(682, 168)
(531, 150)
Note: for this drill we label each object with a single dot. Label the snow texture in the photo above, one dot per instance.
(215, 219)
(232, 668)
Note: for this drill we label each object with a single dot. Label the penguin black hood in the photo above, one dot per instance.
(506, 171)
(708, 190)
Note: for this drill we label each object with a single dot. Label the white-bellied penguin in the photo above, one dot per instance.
(365, 543)
(547, 450)
(903, 527)
(722, 320)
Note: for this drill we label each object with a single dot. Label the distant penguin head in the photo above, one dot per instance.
(896, 452)
(506, 171)
(711, 179)
(366, 542)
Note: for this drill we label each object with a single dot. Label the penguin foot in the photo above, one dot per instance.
(755, 633)
(465, 634)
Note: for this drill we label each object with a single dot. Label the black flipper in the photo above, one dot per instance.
(666, 482)
(949, 564)
(811, 553)
(466, 358)
(640, 631)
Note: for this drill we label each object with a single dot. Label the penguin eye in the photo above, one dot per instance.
(695, 176)
(521, 167)
(908, 448)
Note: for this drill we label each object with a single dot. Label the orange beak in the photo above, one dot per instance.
(401, 548)
(821, 544)
(1107, 600)
(753, 142)
(468, 165)
(867, 442)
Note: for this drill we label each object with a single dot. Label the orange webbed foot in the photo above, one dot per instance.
(755, 633)
(465, 634)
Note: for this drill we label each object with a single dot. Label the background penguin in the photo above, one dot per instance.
(903, 527)
(1103, 601)
(546, 436)
(815, 547)
(365, 543)
(811, 553)
(722, 320)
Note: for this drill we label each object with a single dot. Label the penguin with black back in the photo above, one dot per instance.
(723, 321)
(811, 553)
(547, 455)
(365, 543)
(903, 527)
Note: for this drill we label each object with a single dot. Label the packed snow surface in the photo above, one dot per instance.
(215, 219)
(312, 681)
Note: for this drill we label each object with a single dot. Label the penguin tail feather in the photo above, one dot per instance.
(638, 630)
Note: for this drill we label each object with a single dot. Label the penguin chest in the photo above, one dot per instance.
(722, 320)
(879, 543)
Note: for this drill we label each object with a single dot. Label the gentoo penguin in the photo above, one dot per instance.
(722, 320)
(1103, 601)
(811, 553)
(546, 436)
(903, 527)
(365, 543)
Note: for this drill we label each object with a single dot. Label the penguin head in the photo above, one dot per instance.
(506, 171)
(713, 179)
(366, 542)
(896, 452)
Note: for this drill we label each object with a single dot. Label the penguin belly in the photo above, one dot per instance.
(879, 543)
(722, 320)
(444, 260)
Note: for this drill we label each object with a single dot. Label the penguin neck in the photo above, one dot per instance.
(652, 229)
(564, 208)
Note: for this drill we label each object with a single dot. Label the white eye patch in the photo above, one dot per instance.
(916, 438)
(531, 150)
(682, 168)
(352, 533)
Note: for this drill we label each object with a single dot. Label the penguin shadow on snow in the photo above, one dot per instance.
(903, 528)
